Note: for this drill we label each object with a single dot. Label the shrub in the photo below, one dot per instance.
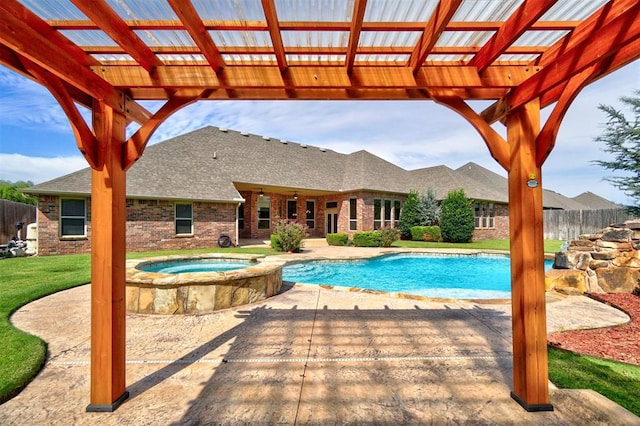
(430, 209)
(388, 236)
(457, 220)
(426, 233)
(287, 236)
(339, 239)
(367, 239)
(411, 214)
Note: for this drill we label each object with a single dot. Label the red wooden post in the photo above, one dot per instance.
(530, 369)
(108, 220)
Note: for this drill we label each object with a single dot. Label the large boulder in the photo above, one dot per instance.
(567, 281)
(617, 279)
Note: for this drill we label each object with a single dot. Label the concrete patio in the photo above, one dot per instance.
(310, 355)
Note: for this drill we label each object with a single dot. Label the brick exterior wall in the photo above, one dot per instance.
(500, 231)
(150, 226)
(150, 223)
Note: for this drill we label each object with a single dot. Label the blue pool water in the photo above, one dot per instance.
(458, 277)
(196, 265)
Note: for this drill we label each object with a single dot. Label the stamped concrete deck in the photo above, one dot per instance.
(310, 355)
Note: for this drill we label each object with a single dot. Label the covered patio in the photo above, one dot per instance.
(524, 55)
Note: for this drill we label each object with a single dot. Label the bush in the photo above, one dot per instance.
(287, 236)
(411, 214)
(430, 209)
(367, 239)
(340, 239)
(388, 236)
(457, 220)
(426, 233)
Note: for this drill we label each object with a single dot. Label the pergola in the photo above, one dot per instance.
(106, 55)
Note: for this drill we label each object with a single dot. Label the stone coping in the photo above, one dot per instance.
(263, 265)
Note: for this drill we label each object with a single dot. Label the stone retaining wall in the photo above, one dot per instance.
(605, 262)
(201, 292)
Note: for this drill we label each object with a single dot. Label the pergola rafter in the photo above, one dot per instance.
(523, 55)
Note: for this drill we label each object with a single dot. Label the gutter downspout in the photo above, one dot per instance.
(237, 219)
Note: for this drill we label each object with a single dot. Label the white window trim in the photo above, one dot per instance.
(176, 218)
(351, 221)
(61, 217)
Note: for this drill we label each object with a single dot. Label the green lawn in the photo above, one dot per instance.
(550, 246)
(617, 381)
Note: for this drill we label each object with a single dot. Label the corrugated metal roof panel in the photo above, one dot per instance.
(398, 11)
(486, 10)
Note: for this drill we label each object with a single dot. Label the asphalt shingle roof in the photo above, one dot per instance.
(204, 165)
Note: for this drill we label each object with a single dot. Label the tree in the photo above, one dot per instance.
(411, 214)
(457, 218)
(622, 139)
(430, 209)
(11, 191)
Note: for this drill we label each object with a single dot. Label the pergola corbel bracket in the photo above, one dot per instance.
(85, 139)
(135, 145)
(498, 147)
(546, 139)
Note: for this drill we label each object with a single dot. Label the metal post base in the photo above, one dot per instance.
(108, 408)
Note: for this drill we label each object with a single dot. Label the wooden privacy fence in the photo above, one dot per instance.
(12, 212)
(570, 224)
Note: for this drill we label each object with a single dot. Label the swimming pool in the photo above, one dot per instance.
(444, 276)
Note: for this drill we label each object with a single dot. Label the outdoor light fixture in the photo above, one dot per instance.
(295, 195)
(261, 193)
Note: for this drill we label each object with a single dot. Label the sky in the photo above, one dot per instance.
(37, 143)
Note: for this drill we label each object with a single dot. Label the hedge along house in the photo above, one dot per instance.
(187, 191)
(107, 56)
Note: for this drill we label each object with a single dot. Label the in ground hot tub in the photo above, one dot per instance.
(253, 278)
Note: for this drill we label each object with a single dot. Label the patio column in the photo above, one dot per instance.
(108, 219)
(530, 370)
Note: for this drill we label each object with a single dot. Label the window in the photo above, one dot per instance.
(353, 214)
(184, 219)
(241, 216)
(73, 218)
(292, 209)
(387, 213)
(484, 215)
(264, 212)
(377, 213)
(331, 205)
(311, 214)
(396, 212)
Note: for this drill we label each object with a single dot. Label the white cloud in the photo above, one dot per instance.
(18, 167)
(23, 102)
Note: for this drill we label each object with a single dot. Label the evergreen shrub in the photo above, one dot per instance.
(338, 239)
(457, 221)
(426, 233)
(367, 239)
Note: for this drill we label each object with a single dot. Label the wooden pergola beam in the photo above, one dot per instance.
(611, 37)
(435, 27)
(519, 22)
(357, 18)
(116, 28)
(193, 24)
(17, 34)
(271, 16)
(317, 50)
(269, 77)
(586, 31)
(212, 25)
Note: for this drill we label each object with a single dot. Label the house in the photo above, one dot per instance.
(186, 191)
